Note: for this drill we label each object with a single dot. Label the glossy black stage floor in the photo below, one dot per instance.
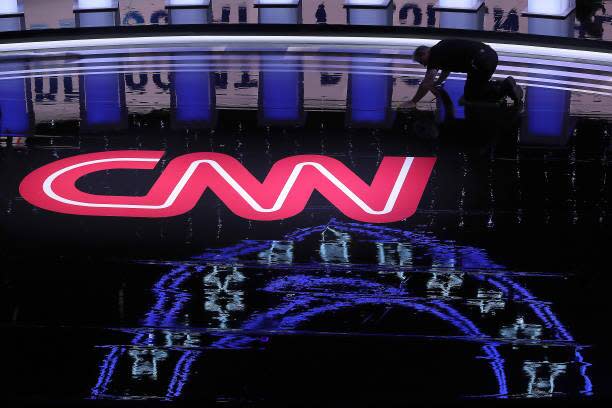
(495, 289)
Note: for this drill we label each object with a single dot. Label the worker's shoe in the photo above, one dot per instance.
(515, 92)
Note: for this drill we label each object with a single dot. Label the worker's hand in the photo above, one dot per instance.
(408, 105)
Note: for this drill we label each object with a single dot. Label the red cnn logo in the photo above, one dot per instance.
(392, 196)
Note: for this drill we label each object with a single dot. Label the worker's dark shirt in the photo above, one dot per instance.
(456, 55)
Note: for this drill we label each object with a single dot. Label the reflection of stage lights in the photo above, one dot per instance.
(291, 40)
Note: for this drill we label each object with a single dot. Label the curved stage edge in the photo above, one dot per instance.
(403, 38)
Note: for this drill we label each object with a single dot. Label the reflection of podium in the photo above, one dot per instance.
(192, 99)
(192, 93)
(369, 95)
(102, 96)
(547, 121)
(102, 102)
(281, 97)
(16, 111)
(281, 90)
(369, 100)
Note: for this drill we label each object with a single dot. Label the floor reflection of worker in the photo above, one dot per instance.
(474, 58)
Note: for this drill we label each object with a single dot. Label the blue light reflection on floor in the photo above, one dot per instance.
(300, 308)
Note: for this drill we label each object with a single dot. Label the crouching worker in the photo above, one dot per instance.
(476, 59)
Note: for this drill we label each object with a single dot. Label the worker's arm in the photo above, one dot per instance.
(426, 85)
(442, 78)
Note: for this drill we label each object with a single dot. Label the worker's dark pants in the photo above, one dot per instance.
(479, 86)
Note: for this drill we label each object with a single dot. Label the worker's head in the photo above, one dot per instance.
(421, 55)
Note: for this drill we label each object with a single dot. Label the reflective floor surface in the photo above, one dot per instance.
(497, 287)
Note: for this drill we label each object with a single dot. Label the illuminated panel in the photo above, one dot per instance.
(370, 16)
(281, 97)
(560, 27)
(10, 7)
(551, 7)
(96, 4)
(189, 15)
(369, 96)
(455, 88)
(370, 100)
(460, 4)
(11, 24)
(101, 100)
(92, 13)
(285, 40)
(97, 19)
(14, 115)
(279, 12)
(11, 15)
(462, 19)
(277, 2)
(393, 195)
(364, 12)
(279, 15)
(280, 92)
(547, 120)
(367, 3)
(174, 3)
(193, 98)
(547, 108)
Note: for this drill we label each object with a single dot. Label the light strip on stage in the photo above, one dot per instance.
(284, 67)
(192, 40)
(565, 64)
(405, 60)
